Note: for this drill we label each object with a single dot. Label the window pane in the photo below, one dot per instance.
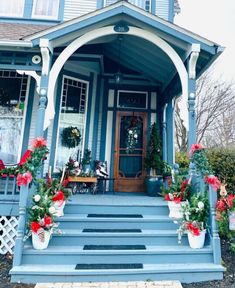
(12, 103)
(11, 7)
(72, 114)
(45, 8)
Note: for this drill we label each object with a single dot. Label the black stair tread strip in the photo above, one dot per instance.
(114, 216)
(114, 247)
(109, 266)
(112, 230)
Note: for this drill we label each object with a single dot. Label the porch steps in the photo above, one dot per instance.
(120, 239)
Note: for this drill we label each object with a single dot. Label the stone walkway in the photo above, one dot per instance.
(139, 284)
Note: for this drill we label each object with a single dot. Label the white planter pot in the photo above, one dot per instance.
(196, 242)
(175, 209)
(41, 239)
(59, 207)
(232, 221)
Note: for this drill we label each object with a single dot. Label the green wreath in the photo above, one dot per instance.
(70, 137)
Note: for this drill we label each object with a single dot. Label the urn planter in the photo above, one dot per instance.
(175, 209)
(153, 185)
(197, 242)
(41, 239)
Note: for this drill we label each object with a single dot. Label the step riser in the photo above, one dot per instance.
(120, 240)
(64, 258)
(135, 276)
(117, 225)
(102, 209)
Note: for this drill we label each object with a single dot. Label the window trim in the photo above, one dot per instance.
(85, 112)
(45, 17)
(133, 92)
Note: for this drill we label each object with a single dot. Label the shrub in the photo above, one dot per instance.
(182, 159)
(222, 162)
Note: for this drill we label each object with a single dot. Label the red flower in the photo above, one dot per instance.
(194, 230)
(230, 200)
(220, 205)
(65, 183)
(167, 197)
(47, 220)
(177, 200)
(195, 147)
(24, 179)
(25, 157)
(59, 196)
(2, 166)
(35, 226)
(214, 182)
(184, 185)
(39, 142)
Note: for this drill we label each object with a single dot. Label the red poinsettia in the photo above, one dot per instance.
(35, 226)
(195, 147)
(221, 205)
(213, 181)
(230, 200)
(26, 157)
(47, 220)
(65, 182)
(39, 142)
(24, 179)
(193, 229)
(59, 196)
(184, 185)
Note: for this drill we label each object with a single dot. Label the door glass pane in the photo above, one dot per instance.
(131, 146)
(72, 114)
(13, 89)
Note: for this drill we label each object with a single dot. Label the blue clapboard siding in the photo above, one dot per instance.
(74, 8)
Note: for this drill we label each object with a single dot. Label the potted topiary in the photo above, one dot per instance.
(86, 161)
(154, 163)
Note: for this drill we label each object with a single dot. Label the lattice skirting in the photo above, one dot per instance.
(8, 230)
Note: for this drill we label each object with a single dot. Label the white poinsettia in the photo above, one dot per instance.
(200, 205)
(36, 198)
(52, 210)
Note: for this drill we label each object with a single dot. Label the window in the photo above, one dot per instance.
(72, 114)
(45, 9)
(11, 8)
(13, 90)
(132, 99)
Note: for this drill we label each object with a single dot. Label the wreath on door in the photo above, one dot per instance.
(133, 128)
(70, 137)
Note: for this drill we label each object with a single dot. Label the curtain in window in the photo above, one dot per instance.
(47, 8)
(11, 7)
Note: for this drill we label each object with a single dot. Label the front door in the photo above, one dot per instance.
(130, 145)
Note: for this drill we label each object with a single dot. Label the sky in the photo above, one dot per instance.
(215, 20)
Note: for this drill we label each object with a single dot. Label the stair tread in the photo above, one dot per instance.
(156, 268)
(83, 217)
(153, 233)
(149, 250)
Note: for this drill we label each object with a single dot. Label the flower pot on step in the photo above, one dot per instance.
(153, 185)
(175, 209)
(59, 207)
(41, 239)
(197, 242)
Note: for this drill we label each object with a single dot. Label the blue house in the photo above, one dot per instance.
(98, 65)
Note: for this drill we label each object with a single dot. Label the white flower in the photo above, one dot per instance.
(52, 210)
(200, 205)
(171, 196)
(37, 198)
(76, 164)
(135, 136)
(35, 207)
(130, 132)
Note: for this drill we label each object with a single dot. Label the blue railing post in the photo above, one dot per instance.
(24, 191)
(212, 195)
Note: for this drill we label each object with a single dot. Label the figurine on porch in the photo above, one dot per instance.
(100, 169)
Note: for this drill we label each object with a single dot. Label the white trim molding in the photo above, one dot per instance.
(104, 31)
(32, 74)
(45, 51)
(193, 60)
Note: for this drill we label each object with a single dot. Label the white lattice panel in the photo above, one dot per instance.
(8, 230)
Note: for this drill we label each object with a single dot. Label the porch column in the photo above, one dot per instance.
(164, 135)
(170, 132)
(46, 52)
(192, 130)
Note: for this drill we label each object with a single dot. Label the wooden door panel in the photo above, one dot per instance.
(129, 164)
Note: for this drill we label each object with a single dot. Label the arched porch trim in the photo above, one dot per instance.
(104, 31)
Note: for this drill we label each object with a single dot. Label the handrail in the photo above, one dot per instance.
(212, 195)
(24, 192)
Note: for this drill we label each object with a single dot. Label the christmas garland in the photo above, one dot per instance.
(70, 137)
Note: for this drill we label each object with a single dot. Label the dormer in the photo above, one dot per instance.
(41, 11)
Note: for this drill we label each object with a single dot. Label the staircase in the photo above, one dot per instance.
(116, 238)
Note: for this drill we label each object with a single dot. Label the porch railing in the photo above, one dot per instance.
(8, 188)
